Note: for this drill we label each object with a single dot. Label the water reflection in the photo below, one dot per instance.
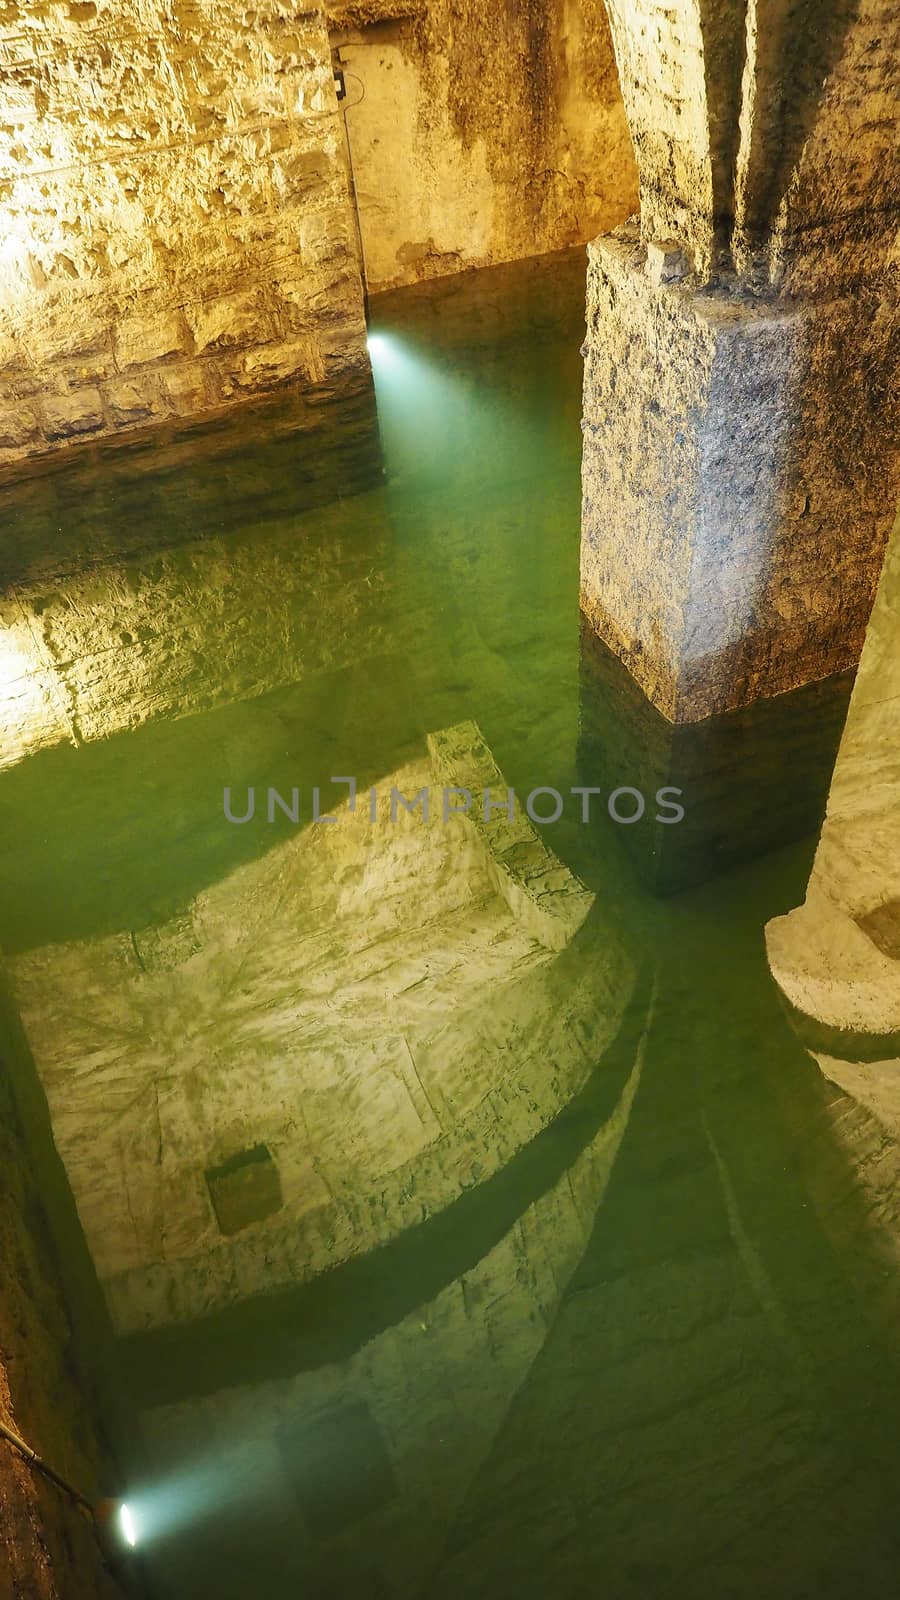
(448, 1248)
(738, 794)
(715, 1408)
(837, 956)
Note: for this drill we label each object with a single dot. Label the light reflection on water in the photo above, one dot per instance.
(441, 1262)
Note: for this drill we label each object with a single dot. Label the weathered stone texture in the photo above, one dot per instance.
(837, 957)
(481, 133)
(407, 949)
(741, 468)
(816, 192)
(448, 1372)
(207, 624)
(659, 50)
(48, 1550)
(172, 189)
(742, 426)
(764, 129)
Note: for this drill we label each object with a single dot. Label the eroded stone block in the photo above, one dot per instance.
(72, 415)
(275, 365)
(158, 338)
(131, 401)
(19, 426)
(245, 1189)
(229, 320)
(667, 262)
(186, 387)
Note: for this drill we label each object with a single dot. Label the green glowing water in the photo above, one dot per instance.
(649, 1352)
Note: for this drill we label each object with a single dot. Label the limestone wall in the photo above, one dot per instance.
(481, 133)
(175, 229)
(176, 225)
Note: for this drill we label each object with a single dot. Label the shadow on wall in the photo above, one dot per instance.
(479, 133)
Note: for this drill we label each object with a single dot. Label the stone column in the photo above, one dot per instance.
(741, 434)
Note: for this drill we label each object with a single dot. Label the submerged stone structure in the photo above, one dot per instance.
(433, 934)
(742, 446)
(395, 1199)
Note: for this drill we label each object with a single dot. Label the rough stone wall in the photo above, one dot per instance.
(48, 1550)
(741, 469)
(481, 133)
(742, 446)
(175, 220)
(765, 130)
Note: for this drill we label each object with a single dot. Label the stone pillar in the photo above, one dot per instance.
(742, 446)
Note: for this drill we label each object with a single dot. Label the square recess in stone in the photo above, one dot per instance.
(244, 1189)
(338, 1468)
(883, 927)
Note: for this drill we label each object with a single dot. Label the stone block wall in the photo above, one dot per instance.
(175, 227)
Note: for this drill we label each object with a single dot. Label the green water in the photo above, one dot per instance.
(649, 1352)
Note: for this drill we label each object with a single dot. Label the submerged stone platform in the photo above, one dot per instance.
(327, 1046)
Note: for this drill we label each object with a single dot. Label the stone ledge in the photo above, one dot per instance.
(190, 392)
(656, 272)
(542, 894)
